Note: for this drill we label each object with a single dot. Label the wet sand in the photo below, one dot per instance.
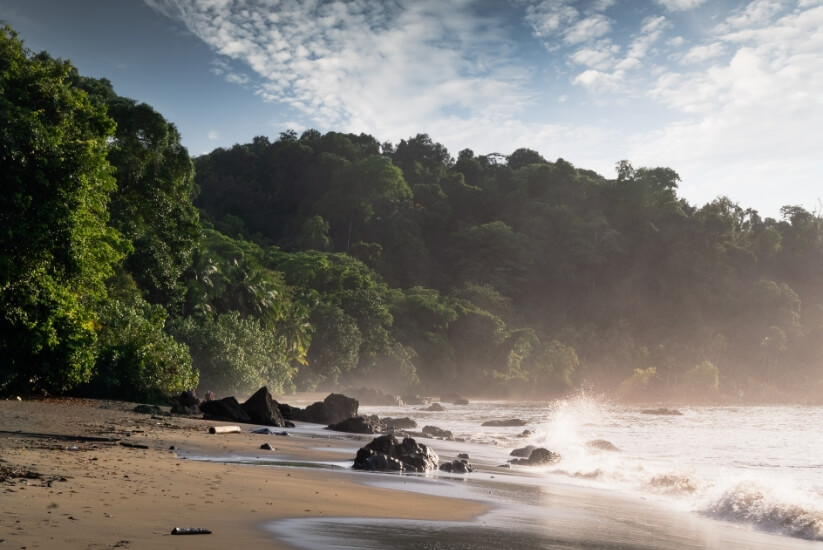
(83, 488)
(86, 489)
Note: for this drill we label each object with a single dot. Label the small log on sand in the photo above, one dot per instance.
(225, 430)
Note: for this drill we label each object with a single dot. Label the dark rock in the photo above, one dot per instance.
(663, 411)
(385, 453)
(538, 457)
(434, 431)
(504, 423)
(505, 466)
(269, 431)
(262, 409)
(186, 403)
(226, 409)
(434, 407)
(457, 467)
(374, 397)
(525, 433)
(267, 447)
(602, 444)
(404, 423)
(360, 425)
(335, 408)
(149, 409)
(454, 399)
(463, 455)
(523, 452)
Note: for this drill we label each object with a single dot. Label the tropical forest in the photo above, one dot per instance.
(322, 261)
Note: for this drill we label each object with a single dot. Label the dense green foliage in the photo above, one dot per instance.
(325, 260)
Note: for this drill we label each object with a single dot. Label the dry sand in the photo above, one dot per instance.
(99, 494)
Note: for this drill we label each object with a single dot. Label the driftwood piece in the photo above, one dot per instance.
(225, 430)
(190, 531)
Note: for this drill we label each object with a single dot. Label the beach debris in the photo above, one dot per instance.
(360, 425)
(267, 447)
(434, 407)
(386, 453)
(538, 457)
(523, 452)
(263, 409)
(663, 411)
(504, 423)
(190, 531)
(438, 433)
(602, 444)
(457, 467)
(375, 397)
(227, 409)
(335, 408)
(225, 430)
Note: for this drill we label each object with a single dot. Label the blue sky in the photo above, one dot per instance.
(727, 93)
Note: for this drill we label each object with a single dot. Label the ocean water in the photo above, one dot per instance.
(754, 469)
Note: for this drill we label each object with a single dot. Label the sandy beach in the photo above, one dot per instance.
(95, 475)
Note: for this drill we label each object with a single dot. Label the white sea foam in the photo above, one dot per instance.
(758, 466)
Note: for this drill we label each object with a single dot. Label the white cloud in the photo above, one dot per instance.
(214, 135)
(680, 5)
(587, 29)
(699, 54)
(362, 65)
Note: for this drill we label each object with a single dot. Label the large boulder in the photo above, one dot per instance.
(360, 425)
(227, 409)
(385, 453)
(262, 409)
(538, 457)
(335, 408)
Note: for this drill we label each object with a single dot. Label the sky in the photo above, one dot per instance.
(729, 94)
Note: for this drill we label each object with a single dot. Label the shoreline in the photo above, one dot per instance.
(92, 491)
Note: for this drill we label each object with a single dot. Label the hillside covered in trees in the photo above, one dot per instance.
(319, 261)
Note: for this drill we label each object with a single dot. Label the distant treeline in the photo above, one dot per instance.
(326, 260)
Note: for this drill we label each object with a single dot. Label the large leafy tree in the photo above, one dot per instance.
(152, 206)
(56, 250)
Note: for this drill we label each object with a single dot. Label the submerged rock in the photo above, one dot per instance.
(434, 407)
(385, 453)
(601, 444)
(663, 411)
(523, 452)
(404, 423)
(434, 431)
(457, 467)
(538, 457)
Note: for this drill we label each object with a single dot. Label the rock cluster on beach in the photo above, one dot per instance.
(387, 454)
